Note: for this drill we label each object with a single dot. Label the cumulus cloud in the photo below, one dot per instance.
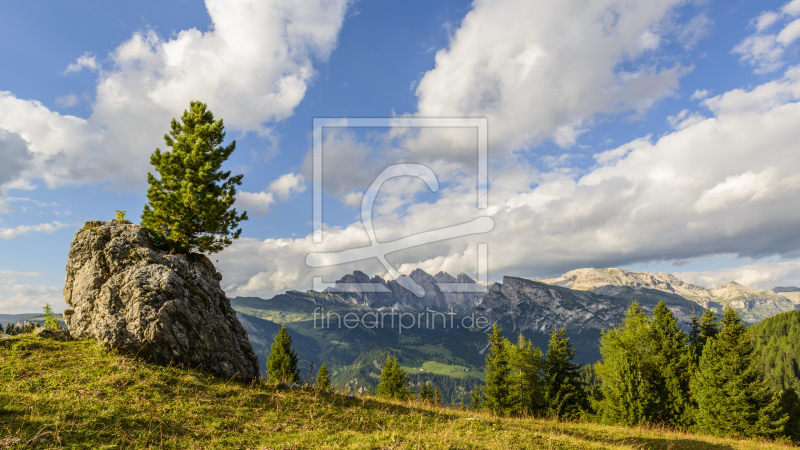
(762, 275)
(25, 298)
(85, 61)
(722, 184)
(542, 69)
(282, 189)
(8, 234)
(252, 67)
(765, 50)
(67, 101)
(15, 155)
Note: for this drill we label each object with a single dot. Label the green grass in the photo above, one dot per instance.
(445, 369)
(77, 395)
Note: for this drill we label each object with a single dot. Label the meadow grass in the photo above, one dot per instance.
(78, 395)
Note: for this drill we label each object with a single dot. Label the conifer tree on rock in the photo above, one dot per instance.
(394, 380)
(282, 360)
(500, 394)
(733, 399)
(323, 378)
(190, 206)
(564, 395)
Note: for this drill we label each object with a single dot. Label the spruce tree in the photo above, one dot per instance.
(564, 395)
(733, 399)
(1, 327)
(394, 380)
(499, 392)
(323, 379)
(190, 206)
(628, 374)
(790, 405)
(526, 367)
(709, 327)
(282, 360)
(425, 392)
(476, 399)
(437, 396)
(49, 320)
(672, 358)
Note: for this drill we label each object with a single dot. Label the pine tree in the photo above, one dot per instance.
(190, 206)
(323, 379)
(629, 376)
(437, 396)
(672, 358)
(476, 399)
(499, 392)
(564, 395)
(526, 366)
(733, 399)
(49, 320)
(1, 327)
(394, 380)
(709, 327)
(282, 360)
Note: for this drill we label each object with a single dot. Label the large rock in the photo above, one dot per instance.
(167, 308)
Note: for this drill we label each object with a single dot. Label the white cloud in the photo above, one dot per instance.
(723, 184)
(85, 61)
(764, 50)
(763, 275)
(67, 101)
(15, 157)
(287, 185)
(700, 94)
(26, 298)
(536, 68)
(258, 203)
(8, 234)
(252, 67)
(255, 203)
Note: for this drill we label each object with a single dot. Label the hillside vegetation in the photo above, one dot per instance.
(777, 342)
(78, 395)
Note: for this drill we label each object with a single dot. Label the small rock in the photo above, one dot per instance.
(123, 367)
(350, 397)
(49, 333)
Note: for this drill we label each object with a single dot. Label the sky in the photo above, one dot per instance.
(657, 135)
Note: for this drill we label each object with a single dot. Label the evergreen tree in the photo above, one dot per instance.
(694, 340)
(733, 399)
(425, 392)
(394, 381)
(323, 379)
(476, 399)
(672, 358)
(629, 377)
(282, 360)
(49, 320)
(437, 396)
(564, 395)
(190, 206)
(526, 367)
(500, 394)
(1, 327)
(790, 405)
(709, 327)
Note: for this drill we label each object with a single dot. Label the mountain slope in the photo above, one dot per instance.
(77, 395)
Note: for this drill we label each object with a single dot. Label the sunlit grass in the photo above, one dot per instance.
(77, 395)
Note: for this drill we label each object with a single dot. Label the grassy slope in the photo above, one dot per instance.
(76, 395)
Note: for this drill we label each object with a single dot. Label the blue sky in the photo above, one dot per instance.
(657, 135)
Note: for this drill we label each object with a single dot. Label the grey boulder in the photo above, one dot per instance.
(165, 308)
